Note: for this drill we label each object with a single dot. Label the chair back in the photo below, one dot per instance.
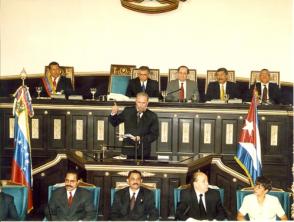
(156, 193)
(20, 194)
(119, 78)
(121, 69)
(211, 77)
(284, 198)
(67, 71)
(177, 193)
(95, 191)
(173, 74)
(274, 77)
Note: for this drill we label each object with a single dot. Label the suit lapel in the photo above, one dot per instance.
(63, 198)
(194, 201)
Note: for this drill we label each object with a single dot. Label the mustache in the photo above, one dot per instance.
(68, 186)
(135, 184)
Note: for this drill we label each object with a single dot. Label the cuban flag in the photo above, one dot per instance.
(249, 148)
(21, 163)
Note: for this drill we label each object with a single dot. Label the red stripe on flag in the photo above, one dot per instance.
(17, 176)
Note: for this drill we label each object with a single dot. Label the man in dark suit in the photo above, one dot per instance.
(7, 208)
(134, 202)
(141, 126)
(269, 92)
(200, 202)
(222, 87)
(143, 84)
(55, 83)
(71, 203)
(182, 89)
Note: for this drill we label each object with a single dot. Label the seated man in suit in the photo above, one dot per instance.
(143, 84)
(140, 123)
(7, 207)
(268, 92)
(135, 202)
(182, 89)
(260, 206)
(222, 87)
(55, 83)
(71, 203)
(200, 202)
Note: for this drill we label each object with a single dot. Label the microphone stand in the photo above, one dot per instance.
(142, 149)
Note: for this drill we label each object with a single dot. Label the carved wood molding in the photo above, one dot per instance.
(168, 5)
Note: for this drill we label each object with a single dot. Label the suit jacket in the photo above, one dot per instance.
(134, 87)
(213, 90)
(147, 129)
(144, 206)
(191, 88)
(189, 207)
(82, 207)
(274, 92)
(7, 209)
(63, 84)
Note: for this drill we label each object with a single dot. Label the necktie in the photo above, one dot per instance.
(132, 201)
(202, 210)
(69, 199)
(143, 87)
(138, 117)
(222, 92)
(54, 83)
(182, 93)
(264, 94)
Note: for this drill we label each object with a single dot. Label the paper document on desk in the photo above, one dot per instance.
(216, 101)
(128, 135)
(117, 97)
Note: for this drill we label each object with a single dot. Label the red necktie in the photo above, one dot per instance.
(182, 93)
(69, 199)
(54, 83)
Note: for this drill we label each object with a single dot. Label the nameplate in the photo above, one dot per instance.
(58, 96)
(75, 97)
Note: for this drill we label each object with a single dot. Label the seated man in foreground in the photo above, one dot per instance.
(71, 203)
(200, 202)
(134, 202)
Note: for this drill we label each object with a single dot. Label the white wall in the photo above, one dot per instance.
(242, 35)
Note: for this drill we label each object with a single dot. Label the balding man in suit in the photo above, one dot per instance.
(200, 202)
(182, 89)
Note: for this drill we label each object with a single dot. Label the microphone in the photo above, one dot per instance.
(49, 212)
(187, 210)
(174, 91)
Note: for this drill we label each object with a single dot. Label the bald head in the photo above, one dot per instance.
(200, 182)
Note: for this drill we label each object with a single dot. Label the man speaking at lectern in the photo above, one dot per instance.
(141, 126)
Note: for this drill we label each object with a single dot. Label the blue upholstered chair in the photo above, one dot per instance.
(119, 84)
(155, 191)
(284, 198)
(177, 193)
(20, 194)
(94, 190)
